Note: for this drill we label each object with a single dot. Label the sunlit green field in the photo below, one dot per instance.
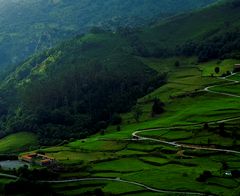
(231, 89)
(156, 165)
(18, 142)
(114, 155)
(208, 69)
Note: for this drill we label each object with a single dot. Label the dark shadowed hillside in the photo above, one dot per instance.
(27, 26)
(109, 76)
(76, 88)
(153, 109)
(210, 33)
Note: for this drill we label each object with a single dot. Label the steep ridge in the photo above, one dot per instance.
(76, 85)
(210, 33)
(28, 26)
(42, 93)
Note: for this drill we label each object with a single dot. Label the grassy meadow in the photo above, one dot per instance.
(160, 166)
(18, 142)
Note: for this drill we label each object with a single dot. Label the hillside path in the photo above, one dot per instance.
(135, 134)
(175, 144)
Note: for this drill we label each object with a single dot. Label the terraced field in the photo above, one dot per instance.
(154, 165)
(157, 165)
(113, 160)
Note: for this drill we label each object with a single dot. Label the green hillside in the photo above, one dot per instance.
(76, 88)
(27, 26)
(155, 164)
(18, 142)
(126, 113)
(209, 33)
(42, 95)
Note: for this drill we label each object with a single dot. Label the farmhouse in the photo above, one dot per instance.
(37, 159)
(236, 68)
(28, 158)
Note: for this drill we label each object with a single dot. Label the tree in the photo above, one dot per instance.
(116, 119)
(217, 70)
(157, 107)
(97, 30)
(98, 192)
(102, 132)
(234, 143)
(224, 165)
(101, 125)
(137, 112)
(209, 141)
(228, 73)
(206, 126)
(222, 129)
(204, 176)
(234, 134)
(118, 128)
(236, 173)
(177, 64)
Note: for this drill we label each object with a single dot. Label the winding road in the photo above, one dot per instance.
(207, 89)
(128, 182)
(112, 180)
(8, 176)
(175, 144)
(136, 135)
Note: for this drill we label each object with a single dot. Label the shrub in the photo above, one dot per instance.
(204, 176)
(116, 119)
(206, 126)
(118, 128)
(101, 125)
(217, 70)
(157, 107)
(137, 112)
(177, 64)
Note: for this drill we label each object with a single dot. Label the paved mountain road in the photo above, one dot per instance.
(175, 144)
(128, 182)
(207, 89)
(135, 134)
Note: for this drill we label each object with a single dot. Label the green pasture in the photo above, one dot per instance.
(235, 77)
(18, 142)
(101, 145)
(114, 155)
(233, 89)
(208, 68)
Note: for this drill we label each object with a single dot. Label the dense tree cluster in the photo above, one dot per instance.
(213, 45)
(26, 187)
(223, 45)
(79, 91)
(46, 26)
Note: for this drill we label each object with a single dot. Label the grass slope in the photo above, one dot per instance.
(101, 63)
(194, 26)
(113, 154)
(154, 164)
(18, 142)
(53, 21)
